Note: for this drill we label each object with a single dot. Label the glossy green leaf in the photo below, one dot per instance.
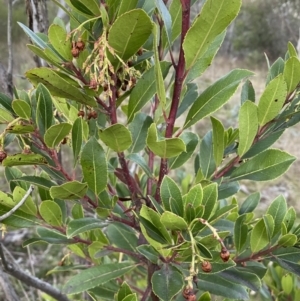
(292, 50)
(170, 192)
(205, 297)
(166, 148)
(277, 210)
(218, 140)
(263, 144)
(6, 102)
(77, 138)
(69, 191)
(123, 291)
(18, 219)
(269, 222)
(59, 40)
(175, 10)
(149, 252)
(117, 137)
(138, 159)
(125, 6)
(81, 225)
(287, 283)
(212, 20)
(150, 219)
(166, 19)
(289, 265)
(250, 203)
(135, 27)
(228, 189)
(144, 90)
(56, 133)
(51, 213)
(289, 218)
(194, 196)
(37, 181)
(77, 211)
(259, 236)
(138, 129)
(5, 116)
(21, 108)
(215, 96)
(210, 196)
(248, 126)
(29, 206)
(122, 236)
(206, 156)
(238, 275)
(173, 222)
(95, 276)
(248, 92)
(189, 94)
(44, 113)
(221, 212)
(240, 233)
(287, 240)
(167, 282)
(24, 159)
(275, 70)
(272, 100)
(218, 285)
(291, 73)
(265, 166)
(204, 61)
(160, 86)
(58, 86)
(20, 129)
(94, 165)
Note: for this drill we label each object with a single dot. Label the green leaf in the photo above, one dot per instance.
(173, 222)
(291, 73)
(265, 166)
(6, 103)
(240, 233)
(21, 108)
(206, 59)
(123, 291)
(277, 210)
(81, 225)
(58, 86)
(117, 137)
(259, 236)
(150, 219)
(289, 218)
(44, 113)
(129, 32)
(166, 19)
(24, 159)
(288, 265)
(144, 90)
(77, 138)
(5, 116)
(212, 20)
(215, 96)
(194, 196)
(275, 70)
(160, 86)
(218, 285)
(170, 192)
(20, 129)
(60, 42)
(18, 219)
(139, 129)
(250, 203)
(287, 240)
(272, 100)
(205, 297)
(35, 180)
(95, 276)
(210, 196)
(248, 126)
(248, 92)
(69, 191)
(149, 252)
(189, 94)
(287, 283)
(125, 6)
(292, 50)
(238, 275)
(122, 236)
(51, 213)
(94, 165)
(218, 140)
(29, 206)
(167, 282)
(56, 133)
(206, 156)
(141, 162)
(166, 148)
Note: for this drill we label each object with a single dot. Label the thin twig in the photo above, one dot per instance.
(14, 209)
(30, 280)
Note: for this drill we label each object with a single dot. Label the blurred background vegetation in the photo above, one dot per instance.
(263, 27)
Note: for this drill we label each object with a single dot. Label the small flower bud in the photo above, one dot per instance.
(206, 266)
(75, 52)
(225, 255)
(3, 155)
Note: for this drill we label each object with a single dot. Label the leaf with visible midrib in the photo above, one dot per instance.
(94, 165)
(94, 276)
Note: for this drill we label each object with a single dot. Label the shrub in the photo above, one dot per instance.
(111, 99)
